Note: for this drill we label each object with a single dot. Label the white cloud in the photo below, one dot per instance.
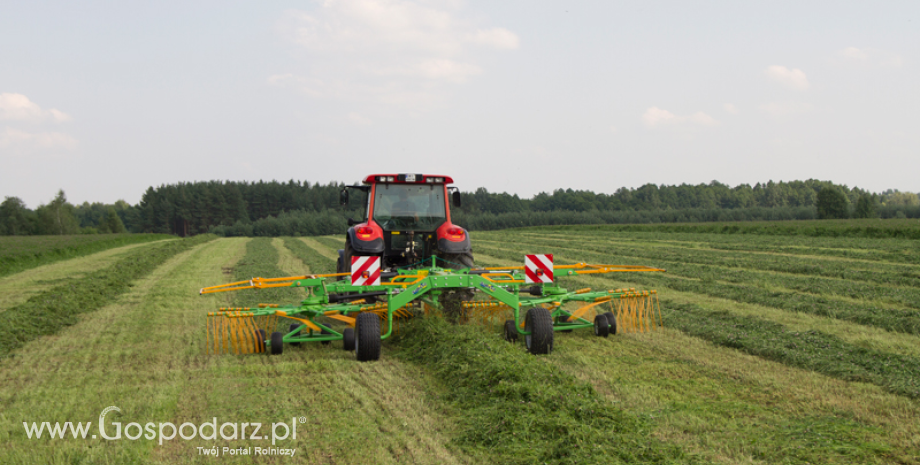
(497, 37)
(395, 51)
(279, 79)
(655, 116)
(15, 139)
(786, 108)
(432, 69)
(358, 119)
(870, 56)
(18, 107)
(853, 53)
(792, 78)
(730, 108)
(387, 26)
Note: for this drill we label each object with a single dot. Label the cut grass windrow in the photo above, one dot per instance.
(897, 320)
(522, 408)
(317, 263)
(349, 405)
(48, 312)
(261, 260)
(18, 253)
(861, 249)
(333, 243)
(867, 228)
(811, 350)
(868, 271)
(18, 287)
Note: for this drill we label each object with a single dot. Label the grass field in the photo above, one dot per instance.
(18, 253)
(776, 349)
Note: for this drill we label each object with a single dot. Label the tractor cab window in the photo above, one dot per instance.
(418, 207)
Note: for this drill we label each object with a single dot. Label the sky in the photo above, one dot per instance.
(104, 99)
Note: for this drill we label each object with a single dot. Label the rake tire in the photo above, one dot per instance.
(292, 328)
(348, 339)
(367, 337)
(611, 323)
(261, 338)
(511, 334)
(324, 331)
(561, 319)
(601, 327)
(277, 343)
(539, 322)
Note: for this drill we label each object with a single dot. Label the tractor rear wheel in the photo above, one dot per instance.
(611, 323)
(601, 327)
(277, 343)
(292, 328)
(539, 323)
(343, 264)
(367, 337)
(452, 300)
(348, 339)
(511, 334)
(456, 261)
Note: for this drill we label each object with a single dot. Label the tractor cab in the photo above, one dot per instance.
(406, 222)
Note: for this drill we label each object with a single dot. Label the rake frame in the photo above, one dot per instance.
(328, 297)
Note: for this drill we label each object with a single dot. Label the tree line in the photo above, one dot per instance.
(301, 208)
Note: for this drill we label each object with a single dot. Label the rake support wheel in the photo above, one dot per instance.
(261, 338)
(611, 323)
(539, 323)
(511, 334)
(562, 319)
(601, 327)
(367, 337)
(277, 343)
(292, 328)
(348, 339)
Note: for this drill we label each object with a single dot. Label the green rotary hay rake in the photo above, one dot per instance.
(367, 308)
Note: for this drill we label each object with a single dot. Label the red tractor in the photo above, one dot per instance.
(406, 221)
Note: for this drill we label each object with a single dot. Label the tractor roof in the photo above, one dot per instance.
(409, 178)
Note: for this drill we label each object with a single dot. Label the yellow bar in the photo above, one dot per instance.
(309, 323)
(345, 319)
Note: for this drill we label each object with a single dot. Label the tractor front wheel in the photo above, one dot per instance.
(277, 343)
(539, 322)
(367, 337)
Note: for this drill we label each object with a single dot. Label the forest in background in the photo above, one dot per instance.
(300, 208)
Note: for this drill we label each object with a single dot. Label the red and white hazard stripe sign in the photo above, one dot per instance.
(365, 271)
(539, 268)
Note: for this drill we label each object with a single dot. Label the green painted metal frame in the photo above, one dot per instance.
(435, 282)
